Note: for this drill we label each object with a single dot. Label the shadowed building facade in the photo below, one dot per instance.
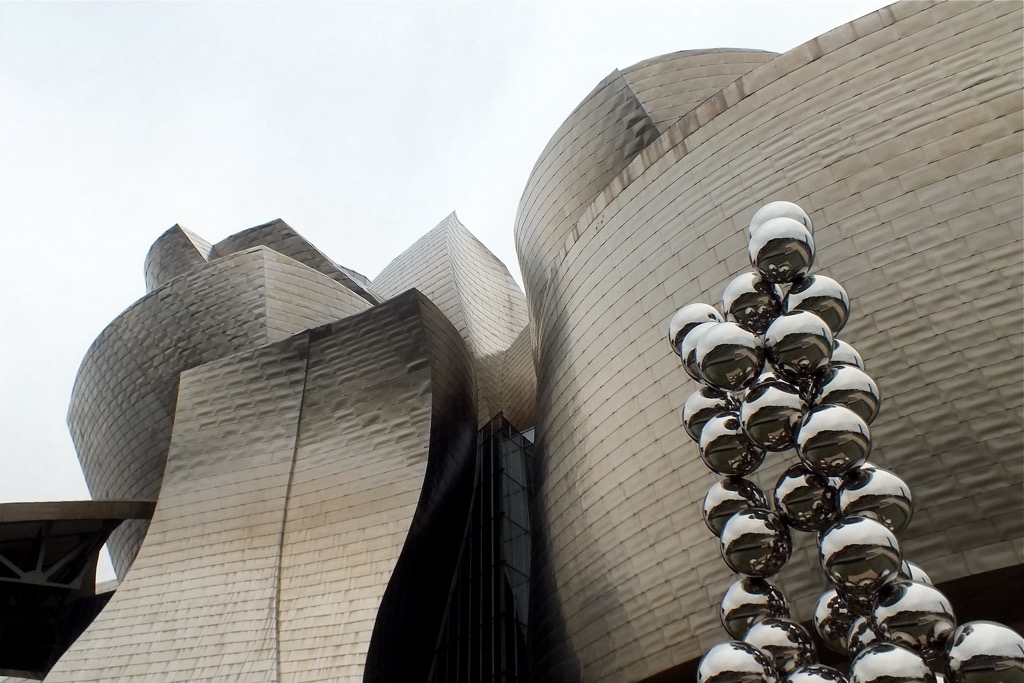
(342, 490)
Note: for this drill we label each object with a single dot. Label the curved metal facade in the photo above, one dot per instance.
(900, 133)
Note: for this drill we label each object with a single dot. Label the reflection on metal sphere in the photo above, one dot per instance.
(816, 673)
(701, 406)
(779, 210)
(688, 350)
(729, 357)
(748, 601)
(984, 652)
(844, 354)
(860, 635)
(805, 500)
(872, 492)
(915, 615)
(788, 643)
(846, 385)
(889, 663)
(911, 572)
(859, 555)
(832, 440)
(782, 250)
(823, 297)
(756, 543)
(798, 344)
(832, 620)
(752, 301)
(735, 662)
(769, 413)
(727, 497)
(687, 318)
(725, 449)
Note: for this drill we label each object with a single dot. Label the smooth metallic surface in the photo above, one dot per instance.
(687, 318)
(889, 663)
(752, 301)
(756, 543)
(911, 572)
(915, 615)
(782, 250)
(749, 600)
(860, 635)
(832, 440)
(869, 491)
(832, 620)
(728, 496)
(729, 357)
(735, 662)
(798, 344)
(769, 413)
(788, 643)
(779, 209)
(984, 652)
(849, 386)
(844, 354)
(816, 673)
(822, 296)
(701, 406)
(725, 449)
(806, 500)
(688, 350)
(859, 555)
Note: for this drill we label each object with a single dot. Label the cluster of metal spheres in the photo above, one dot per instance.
(773, 377)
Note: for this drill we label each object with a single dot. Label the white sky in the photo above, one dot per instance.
(360, 124)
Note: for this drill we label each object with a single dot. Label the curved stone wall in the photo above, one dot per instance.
(900, 133)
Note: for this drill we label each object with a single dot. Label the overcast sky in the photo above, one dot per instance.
(360, 124)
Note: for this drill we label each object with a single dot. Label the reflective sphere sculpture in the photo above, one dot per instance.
(915, 615)
(769, 414)
(687, 318)
(798, 344)
(878, 494)
(729, 357)
(846, 385)
(701, 406)
(911, 572)
(860, 635)
(832, 440)
(805, 500)
(859, 555)
(752, 301)
(748, 601)
(756, 543)
(787, 643)
(735, 662)
(725, 449)
(727, 497)
(889, 663)
(832, 620)
(779, 210)
(816, 673)
(984, 652)
(823, 297)
(782, 250)
(844, 354)
(688, 350)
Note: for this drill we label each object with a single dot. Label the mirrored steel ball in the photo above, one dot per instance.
(816, 673)
(752, 301)
(872, 492)
(832, 440)
(846, 385)
(859, 555)
(889, 663)
(915, 615)
(823, 297)
(688, 350)
(756, 543)
(780, 209)
(725, 449)
(686, 319)
(844, 354)
(806, 500)
(911, 572)
(735, 662)
(984, 652)
(860, 635)
(749, 600)
(782, 250)
(769, 414)
(798, 344)
(727, 497)
(701, 406)
(832, 619)
(787, 643)
(729, 357)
